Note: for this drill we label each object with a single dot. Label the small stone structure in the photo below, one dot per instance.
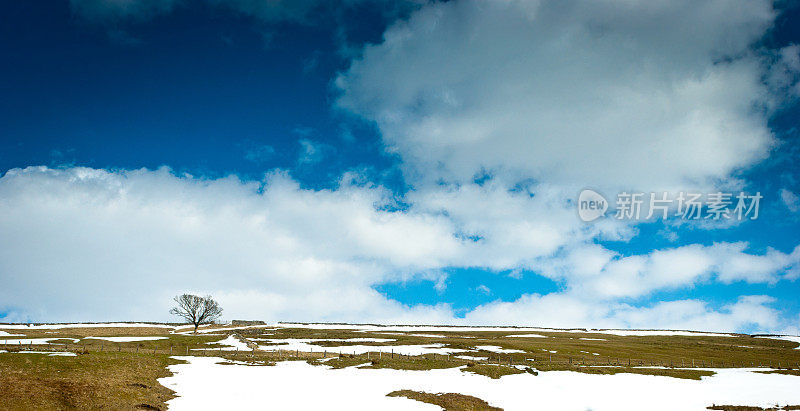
(242, 323)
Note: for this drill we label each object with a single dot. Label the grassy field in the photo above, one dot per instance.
(123, 374)
(87, 381)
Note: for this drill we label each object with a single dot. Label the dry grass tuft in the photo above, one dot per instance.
(492, 371)
(448, 401)
(751, 408)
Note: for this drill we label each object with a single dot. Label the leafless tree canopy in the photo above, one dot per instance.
(196, 310)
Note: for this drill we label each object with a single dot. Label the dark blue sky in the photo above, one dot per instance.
(200, 91)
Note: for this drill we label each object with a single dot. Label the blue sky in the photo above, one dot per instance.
(204, 82)
(397, 161)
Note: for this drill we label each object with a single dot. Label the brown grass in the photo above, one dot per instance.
(119, 375)
(785, 372)
(448, 401)
(751, 408)
(492, 371)
(89, 381)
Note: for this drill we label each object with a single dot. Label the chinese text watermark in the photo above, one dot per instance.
(684, 205)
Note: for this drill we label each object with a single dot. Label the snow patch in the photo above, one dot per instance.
(471, 358)
(427, 328)
(127, 339)
(230, 344)
(81, 325)
(49, 353)
(35, 341)
(527, 336)
(499, 350)
(306, 344)
(203, 384)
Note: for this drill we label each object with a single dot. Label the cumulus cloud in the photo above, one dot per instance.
(750, 313)
(478, 96)
(597, 273)
(81, 243)
(648, 95)
(78, 242)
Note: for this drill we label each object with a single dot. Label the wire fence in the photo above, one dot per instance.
(555, 361)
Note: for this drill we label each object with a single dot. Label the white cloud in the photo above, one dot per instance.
(751, 313)
(747, 312)
(649, 95)
(87, 244)
(312, 152)
(597, 273)
(81, 243)
(790, 200)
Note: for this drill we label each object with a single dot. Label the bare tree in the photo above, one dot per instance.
(196, 310)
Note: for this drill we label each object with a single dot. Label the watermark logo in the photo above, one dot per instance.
(685, 205)
(591, 205)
